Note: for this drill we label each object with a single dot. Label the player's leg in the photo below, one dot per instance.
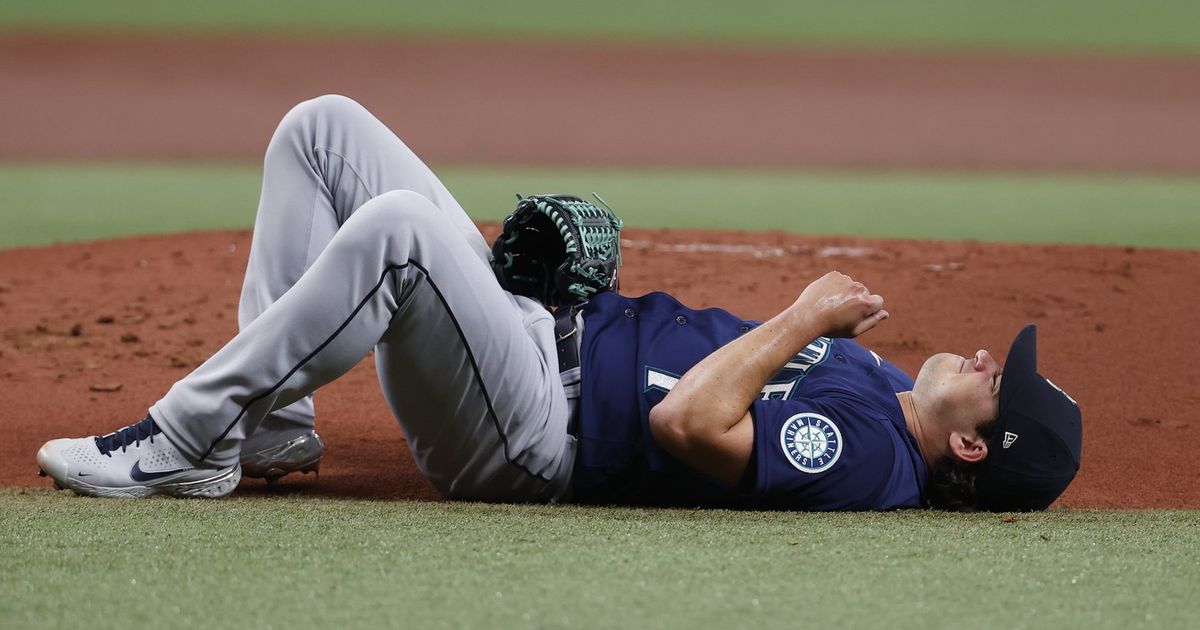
(469, 369)
(407, 263)
(327, 157)
(397, 269)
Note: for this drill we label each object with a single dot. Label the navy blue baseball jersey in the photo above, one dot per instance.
(829, 433)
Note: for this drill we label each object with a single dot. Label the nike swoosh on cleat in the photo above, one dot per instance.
(83, 474)
(137, 474)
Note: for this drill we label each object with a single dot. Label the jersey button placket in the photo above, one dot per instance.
(629, 313)
(681, 320)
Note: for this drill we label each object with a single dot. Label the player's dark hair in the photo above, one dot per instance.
(951, 482)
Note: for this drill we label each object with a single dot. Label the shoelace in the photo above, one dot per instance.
(132, 434)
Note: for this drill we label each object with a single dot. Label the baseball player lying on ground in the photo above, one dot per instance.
(606, 399)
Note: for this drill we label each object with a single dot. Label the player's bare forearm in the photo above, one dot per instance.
(715, 394)
(705, 421)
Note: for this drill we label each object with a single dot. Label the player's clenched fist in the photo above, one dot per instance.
(839, 306)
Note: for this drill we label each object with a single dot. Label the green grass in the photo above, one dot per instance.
(47, 203)
(1119, 25)
(294, 562)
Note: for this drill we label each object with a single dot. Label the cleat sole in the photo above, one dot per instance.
(220, 485)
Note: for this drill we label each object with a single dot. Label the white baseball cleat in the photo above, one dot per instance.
(299, 454)
(135, 462)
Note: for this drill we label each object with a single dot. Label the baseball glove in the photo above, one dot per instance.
(558, 249)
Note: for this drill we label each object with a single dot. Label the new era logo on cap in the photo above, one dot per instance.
(1009, 438)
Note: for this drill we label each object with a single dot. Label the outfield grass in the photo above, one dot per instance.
(299, 563)
(1116, 25)
(48, 203)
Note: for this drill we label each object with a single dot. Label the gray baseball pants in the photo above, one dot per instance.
(358, 246)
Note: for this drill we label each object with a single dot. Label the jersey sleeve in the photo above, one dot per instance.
(826, 454)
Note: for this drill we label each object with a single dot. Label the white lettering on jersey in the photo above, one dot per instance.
(779, 391)
(657, 379)
(664, 381)
(812, 355)
(1009, 438)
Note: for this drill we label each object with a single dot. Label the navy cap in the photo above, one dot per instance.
(1034, 453)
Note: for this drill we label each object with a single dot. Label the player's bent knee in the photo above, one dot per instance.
(400, 211)
(325, 108)
(332, 105)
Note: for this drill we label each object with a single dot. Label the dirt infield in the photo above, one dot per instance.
(94, 333)
(126, 97)
(128, 317)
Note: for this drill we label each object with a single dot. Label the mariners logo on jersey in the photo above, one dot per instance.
(811, 442)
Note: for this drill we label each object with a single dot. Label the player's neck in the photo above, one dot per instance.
(920, 432)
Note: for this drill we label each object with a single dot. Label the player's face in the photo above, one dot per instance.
(962, 391)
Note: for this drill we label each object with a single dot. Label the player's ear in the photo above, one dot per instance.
(970, 448)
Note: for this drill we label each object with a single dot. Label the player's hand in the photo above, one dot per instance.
(839, 306)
